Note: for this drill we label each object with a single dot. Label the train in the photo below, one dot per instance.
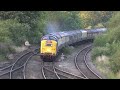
(53, 42)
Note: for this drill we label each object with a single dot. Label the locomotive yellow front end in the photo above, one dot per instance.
(48, 49)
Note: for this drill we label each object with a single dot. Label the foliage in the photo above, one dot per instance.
(66, 20)
(100, 51)
(5, 49)
(100, 40)
(115, 61)
(13, 32)
(70, 22)
(109, 44)
(92, 18)
(28, 23)
(66, 50)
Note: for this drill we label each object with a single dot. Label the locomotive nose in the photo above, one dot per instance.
(48, 50)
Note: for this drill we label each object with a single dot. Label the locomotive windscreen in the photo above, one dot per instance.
(52, 38)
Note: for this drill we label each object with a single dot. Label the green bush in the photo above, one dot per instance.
(99, 51)
(114, 21)
(2, 58)
(23, 24)
(115, 62)
(66, 50)
(5, 49)
(11, 31)
(19, 33)
(100, 40)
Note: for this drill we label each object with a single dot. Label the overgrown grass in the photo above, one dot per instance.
(104, 66)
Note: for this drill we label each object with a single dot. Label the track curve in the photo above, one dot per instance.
(82, 66)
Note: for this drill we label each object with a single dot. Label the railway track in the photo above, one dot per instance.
(52, 72)
(17, 69)
(82, 65)
(68, 74)
(48, 71)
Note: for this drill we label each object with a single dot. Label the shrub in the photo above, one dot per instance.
(100, 40)
(19, 33)
(115, 62)
(114, 21)
(12, 31)
(2, 57)
(66, 50)
(99, 51)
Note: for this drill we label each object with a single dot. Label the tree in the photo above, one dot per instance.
(66, 20)
(92, 18)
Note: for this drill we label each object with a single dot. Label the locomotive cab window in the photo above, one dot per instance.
(52, 38)
(48, 44)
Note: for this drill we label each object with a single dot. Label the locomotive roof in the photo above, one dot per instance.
(102, 29)
(63, 34)
(45, 37)
(56, 34)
